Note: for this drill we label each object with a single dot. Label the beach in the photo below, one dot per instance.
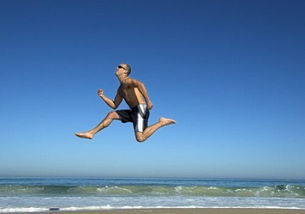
(150, 195)
(192, 211)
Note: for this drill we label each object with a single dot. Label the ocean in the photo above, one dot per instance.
(73, 194)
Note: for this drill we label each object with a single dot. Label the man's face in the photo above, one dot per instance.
(120, 69)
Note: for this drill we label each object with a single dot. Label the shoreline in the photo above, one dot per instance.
(188, 211)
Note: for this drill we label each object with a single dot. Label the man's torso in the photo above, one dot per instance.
(131, 95)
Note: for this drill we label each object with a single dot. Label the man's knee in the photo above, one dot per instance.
(113, 115)
(140, 137)
(109, 118)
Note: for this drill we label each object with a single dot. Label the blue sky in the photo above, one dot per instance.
(230, 72)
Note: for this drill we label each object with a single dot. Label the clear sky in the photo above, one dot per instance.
(231, 72)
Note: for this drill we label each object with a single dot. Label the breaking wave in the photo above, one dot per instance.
(284, 191)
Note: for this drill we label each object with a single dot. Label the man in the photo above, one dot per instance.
(135, 95)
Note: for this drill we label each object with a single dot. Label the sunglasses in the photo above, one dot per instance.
(121, 67)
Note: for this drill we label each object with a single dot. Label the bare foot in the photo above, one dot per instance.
(166, 121)
(86, 135)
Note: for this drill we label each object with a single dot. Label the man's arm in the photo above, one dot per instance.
(111, 103)
(143, 91)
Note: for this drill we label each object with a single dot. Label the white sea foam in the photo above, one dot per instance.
(113, 189)
(108, 207)
(21, 204)
(23, 209)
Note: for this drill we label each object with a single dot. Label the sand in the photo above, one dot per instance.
(191, 211)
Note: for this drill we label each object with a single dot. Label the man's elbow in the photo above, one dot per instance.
(113, 106)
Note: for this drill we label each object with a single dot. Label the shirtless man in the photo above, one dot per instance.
(135, 95)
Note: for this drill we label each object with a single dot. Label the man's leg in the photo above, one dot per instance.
(142, 136)
(105, 123)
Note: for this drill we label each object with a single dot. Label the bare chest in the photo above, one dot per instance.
(131, 94)
(126, 91)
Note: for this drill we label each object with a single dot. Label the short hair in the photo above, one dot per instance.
(128, 68)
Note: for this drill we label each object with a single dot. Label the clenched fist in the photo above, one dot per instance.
(100, 92)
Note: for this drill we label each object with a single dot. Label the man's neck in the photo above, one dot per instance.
(122, 78)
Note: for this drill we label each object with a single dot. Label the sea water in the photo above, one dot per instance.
(68, 194)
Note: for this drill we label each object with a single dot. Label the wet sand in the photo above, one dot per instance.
(189, 211)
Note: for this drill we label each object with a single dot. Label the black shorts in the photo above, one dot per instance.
(138, 115)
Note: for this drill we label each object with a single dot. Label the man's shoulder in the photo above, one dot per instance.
(131, 81)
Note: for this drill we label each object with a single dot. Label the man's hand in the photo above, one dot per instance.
(149, 105)
(100, 92)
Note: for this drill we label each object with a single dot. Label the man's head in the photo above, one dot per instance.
(123, 68)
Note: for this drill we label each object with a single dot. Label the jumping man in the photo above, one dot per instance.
(135, 95)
